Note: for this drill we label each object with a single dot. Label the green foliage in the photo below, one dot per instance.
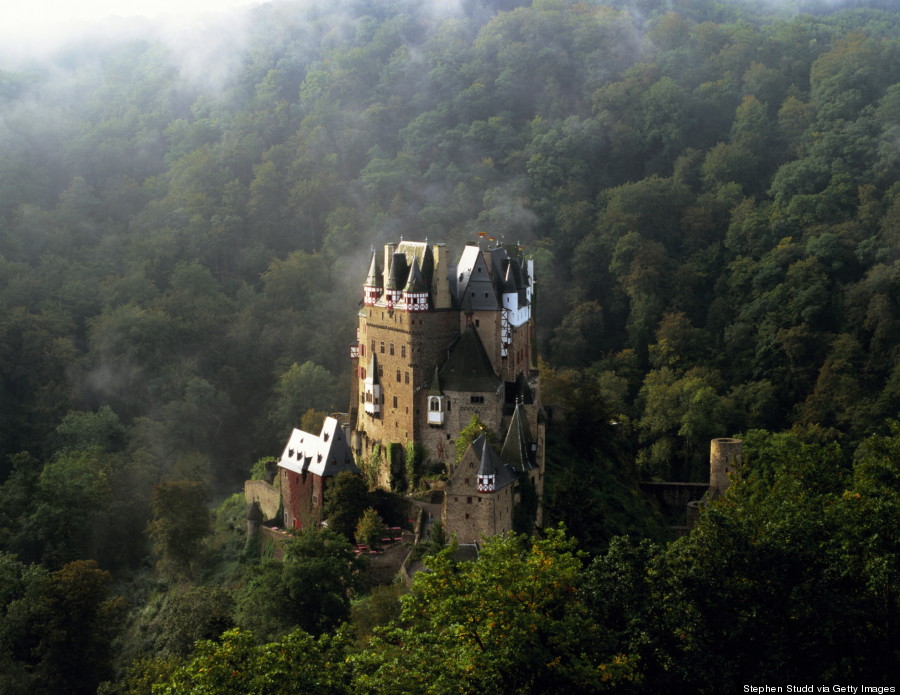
(776, 579)
(379, 608)
(57, 628)
(346, 498)
(297, 663)
(494, 621)
(85, 431)
(180, 526)
(310, 588)
(590, 483)
(299, 389)
(369, 529)
(265, 469)
(470, 433)
(370, 466)
(415, 461)
(709, 190)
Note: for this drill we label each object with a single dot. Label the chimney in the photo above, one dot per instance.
(440, 283)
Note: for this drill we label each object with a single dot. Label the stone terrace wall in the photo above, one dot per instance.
(268, 496)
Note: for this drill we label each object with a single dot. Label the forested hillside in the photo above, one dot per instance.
(711, 192)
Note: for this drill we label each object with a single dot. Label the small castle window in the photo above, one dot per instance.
(381, 347)
(406, 378)
(476, 399)
(398, 376)
(468, 500)
(395, 401)
(392, 349)
(402, 351)
(380, 370)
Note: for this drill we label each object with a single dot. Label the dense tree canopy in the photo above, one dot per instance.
(709, 189)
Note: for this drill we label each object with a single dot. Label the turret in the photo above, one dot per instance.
(415, 293)
(487, 471)
(725, 456)
(396, 280)
(374, 286)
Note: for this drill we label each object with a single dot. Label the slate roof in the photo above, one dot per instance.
(468, 367)
(492, 465)
(399, 271)
(419, 251)
(415, 282)
(475, 287)
(435, 386)
(374, 278)
(324, 455)
(516, 451)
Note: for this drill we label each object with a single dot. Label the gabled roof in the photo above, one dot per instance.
(490, 464)
(468, 368)
(516, 450)
(475, 287)
(324, 455)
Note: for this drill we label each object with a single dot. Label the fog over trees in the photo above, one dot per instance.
(711, 192)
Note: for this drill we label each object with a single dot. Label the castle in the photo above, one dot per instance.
(437, 343)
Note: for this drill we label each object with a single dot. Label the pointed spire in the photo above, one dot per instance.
(398, 273)
(435, 384)
(415, 282)
(374, 278)
(487, 466)
(517, 449)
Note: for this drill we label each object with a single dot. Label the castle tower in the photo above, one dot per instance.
(415, 293)
(374, 286)
(487, 472)
(725, 457)
(444, 342)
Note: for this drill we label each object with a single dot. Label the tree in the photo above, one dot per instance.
(310, 588)
(300, 388)
(84, 431)
(57, 632)
(470, 433)
(370, 529)
(507, 622)
(181, 523)
(296, 663)
(346, 498)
